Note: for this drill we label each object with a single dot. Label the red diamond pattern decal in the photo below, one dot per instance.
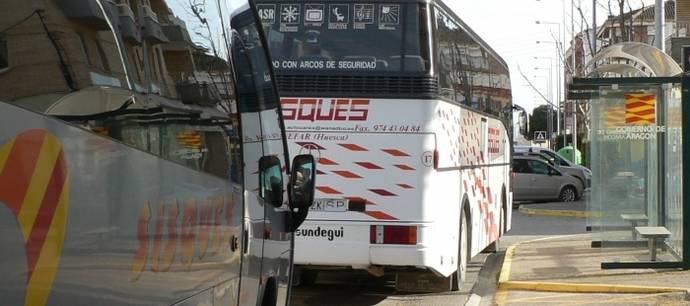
(383, 192)
(347, 174)
(395, 152)
(405, 167)
(369, 165)
(352, 147)
(327, 162)
(406, 186)
(328, 190)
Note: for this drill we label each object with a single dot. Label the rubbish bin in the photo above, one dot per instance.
(567, 152)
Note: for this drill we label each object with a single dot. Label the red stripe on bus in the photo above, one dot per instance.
(352, 147)
(327, 162)
(395, 152)
(328, 190)
(45, 216)
(405, 167)
(19, 168)
(347, 174)
(383, 192)
(369, 165)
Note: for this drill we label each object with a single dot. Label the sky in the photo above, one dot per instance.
(509, 27)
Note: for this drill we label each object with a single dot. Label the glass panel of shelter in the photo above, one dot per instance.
(636, 155)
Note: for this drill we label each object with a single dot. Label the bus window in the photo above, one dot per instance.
(346, 38)
(254, 80)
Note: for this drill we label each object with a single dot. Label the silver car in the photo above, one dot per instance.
(579, 171)
(534, 179)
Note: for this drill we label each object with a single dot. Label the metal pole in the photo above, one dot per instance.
(558, 84)
(551, 97)
(550, 106)
(594, 27)
(572, 40)
(659, 22)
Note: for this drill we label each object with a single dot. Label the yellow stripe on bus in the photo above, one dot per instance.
(5, 153)
(50, 151)
(40, 285)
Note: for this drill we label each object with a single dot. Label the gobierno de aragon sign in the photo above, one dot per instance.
(635, 120)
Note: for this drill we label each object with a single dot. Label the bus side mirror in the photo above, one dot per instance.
(523, 123)
(302, 182)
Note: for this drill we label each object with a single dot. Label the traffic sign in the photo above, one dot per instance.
(539, 136)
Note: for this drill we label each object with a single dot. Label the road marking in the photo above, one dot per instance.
(558, 212)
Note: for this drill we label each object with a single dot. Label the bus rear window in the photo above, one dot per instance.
(342, 38)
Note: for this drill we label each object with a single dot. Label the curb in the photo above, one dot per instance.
(584, 288)
(556, 212)
(505, 284)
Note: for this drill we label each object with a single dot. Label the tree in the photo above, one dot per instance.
(538, 120)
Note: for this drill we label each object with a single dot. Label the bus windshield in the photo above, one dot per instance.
(343, 38)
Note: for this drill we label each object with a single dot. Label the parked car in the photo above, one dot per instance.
(535, 179)
(565, 164)
(577, 172)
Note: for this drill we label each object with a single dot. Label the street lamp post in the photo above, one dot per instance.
(561, 58)
(558, 95)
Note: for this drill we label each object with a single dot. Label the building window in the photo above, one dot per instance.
(4, 53)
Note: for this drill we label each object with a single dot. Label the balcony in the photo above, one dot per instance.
(198, 93)
(127, 25)
(177, 34)
(84, 11)
(152, 30)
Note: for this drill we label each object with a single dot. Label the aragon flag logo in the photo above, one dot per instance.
(34, 184)
(640, 108)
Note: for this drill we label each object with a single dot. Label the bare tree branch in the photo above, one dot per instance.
(583, 21)
(534, 87)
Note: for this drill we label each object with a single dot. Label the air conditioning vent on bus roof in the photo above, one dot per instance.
(364, 86)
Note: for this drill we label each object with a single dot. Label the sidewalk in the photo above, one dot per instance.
(565, 270)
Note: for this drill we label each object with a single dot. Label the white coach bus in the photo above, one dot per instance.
(409, 113)
(139, 164)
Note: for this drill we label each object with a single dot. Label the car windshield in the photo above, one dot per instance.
(328, 38)
(557, 158)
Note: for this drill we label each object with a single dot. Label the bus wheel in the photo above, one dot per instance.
(463, 247)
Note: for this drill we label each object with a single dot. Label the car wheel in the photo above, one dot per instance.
(568, 194)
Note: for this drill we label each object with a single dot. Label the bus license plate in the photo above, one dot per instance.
(330, 205)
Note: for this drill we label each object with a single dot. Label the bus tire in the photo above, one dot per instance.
(464, 245)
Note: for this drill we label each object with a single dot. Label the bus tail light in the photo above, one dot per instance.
(393, 234)
(436, 156)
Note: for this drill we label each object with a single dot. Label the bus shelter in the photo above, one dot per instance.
(636, 205)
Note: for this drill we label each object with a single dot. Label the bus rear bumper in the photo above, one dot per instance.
(323, 254)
